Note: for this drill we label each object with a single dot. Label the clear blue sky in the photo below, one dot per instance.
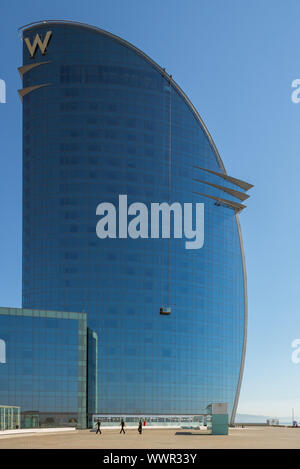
(236, 61)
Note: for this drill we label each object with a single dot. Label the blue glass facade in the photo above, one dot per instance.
(109, 121)
(43, 366)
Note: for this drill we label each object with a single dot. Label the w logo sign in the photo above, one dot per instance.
(38, 42)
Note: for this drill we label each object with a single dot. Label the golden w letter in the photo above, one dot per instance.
(37, 42)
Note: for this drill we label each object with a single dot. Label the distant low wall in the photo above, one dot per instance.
(36, 430)
(255, 425)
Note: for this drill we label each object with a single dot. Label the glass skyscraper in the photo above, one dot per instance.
(102, 119)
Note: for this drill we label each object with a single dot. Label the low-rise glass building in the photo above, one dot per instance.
(43, 368)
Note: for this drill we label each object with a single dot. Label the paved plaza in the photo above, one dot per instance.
(250, 437)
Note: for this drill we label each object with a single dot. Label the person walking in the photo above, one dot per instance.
(140, 428)
(98, 426)
(122, 426)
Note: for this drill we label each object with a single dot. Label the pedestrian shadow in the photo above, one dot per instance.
(195, 433)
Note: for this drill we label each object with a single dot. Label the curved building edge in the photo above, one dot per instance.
(238, 389)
